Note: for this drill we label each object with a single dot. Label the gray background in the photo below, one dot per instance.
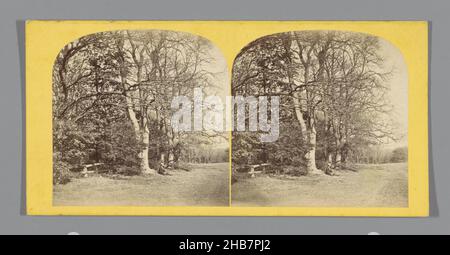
(12, 141)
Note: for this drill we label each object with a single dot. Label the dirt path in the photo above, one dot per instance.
(383, 185)
(205, 185)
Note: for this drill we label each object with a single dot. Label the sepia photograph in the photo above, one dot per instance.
(114, 140)
(341, 101)
(227, 118)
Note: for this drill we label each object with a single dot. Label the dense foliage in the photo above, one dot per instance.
(333, 104)
(112, 96)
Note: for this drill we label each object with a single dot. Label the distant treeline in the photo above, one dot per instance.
(377, 155)
(212, 155)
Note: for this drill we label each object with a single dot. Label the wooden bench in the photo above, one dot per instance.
(253, 170)
(85, 172)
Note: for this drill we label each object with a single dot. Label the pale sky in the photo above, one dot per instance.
(398, 84)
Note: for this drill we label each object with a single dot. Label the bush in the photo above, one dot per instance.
(61, 173)
(183, 166)
(399, 155)
(289, 170)
(127, 170)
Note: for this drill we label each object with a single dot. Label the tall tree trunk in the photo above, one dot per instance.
(338, 162)
(330, 166)
(163, 158)
(343, 157)
(309, 138)
(307, 129)
(171, 146)
(311, 152)
(140, 125)
(344, 153)
(303, 113)
(143, 138)
(141, 134)
(143, 154)
(338, 156)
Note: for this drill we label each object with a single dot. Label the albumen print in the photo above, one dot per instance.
(113, 142)
(343, 122)
(227, 118)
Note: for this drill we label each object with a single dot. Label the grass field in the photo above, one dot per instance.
(204, 185)
(384, 185)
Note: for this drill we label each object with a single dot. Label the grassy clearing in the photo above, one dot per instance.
(204, 185)
(384, 185)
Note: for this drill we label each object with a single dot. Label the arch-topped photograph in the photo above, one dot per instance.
(227, 118)
(343, 114)
(113, 140)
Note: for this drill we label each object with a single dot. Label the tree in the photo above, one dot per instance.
(124, 81)
(332, 84)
